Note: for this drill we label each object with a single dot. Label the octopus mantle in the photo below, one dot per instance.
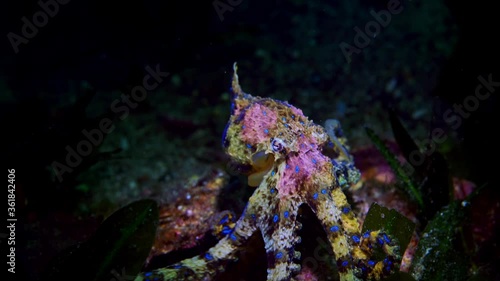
(292, 161)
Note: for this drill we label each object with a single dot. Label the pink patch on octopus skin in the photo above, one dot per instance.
(299, 167)
(257, 123)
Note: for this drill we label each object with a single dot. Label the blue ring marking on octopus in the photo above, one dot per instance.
(224, 135)
(226, 230)
(315, 196)
(275, 218)
(286, 213)
(224, 219)
(233, 237)
(334, 228)
(380, 241)
(356, 239)
(386, 238)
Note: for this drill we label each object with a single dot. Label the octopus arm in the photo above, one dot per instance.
(331, 208)
(211, 263)
(280, 237)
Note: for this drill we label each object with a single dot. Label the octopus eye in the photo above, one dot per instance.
(277, 145)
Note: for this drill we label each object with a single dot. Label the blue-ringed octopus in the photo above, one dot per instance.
(292, 161)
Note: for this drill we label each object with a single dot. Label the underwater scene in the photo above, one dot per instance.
(238, 140)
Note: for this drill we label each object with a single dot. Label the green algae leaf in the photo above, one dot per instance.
(408, 185)
(391, 222)
(406, 143)
(116, 251)
(428, 170)
(440, 255)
